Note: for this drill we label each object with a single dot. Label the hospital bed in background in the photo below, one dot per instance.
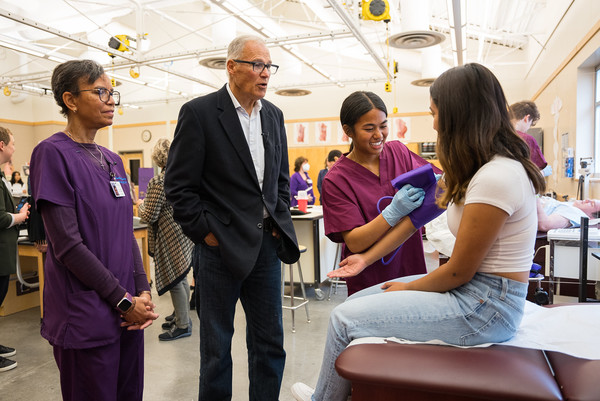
(574, 255)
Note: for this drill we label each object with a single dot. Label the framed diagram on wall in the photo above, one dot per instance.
(300, 134)
(322, 130)
(399, 129)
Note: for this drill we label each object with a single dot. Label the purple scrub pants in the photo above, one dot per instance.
(113, 372)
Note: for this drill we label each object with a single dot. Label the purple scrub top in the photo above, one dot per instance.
(350, 196)
(62, 173)
(537, 157)
(297, 183)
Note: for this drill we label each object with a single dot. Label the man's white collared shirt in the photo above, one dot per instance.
(252, 128)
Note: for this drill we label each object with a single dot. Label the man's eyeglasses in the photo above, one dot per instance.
(259, 66)
(104, 94)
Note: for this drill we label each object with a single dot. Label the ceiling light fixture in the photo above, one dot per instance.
(22, 49)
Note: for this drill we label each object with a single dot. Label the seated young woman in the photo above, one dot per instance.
(490, 187)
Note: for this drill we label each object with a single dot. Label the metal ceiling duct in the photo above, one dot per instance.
(431, 66)
(215, 63)
(293, 92)
(415, 27)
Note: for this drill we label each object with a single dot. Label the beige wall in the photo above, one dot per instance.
(562, 85)
(27, 135)
(554, 74)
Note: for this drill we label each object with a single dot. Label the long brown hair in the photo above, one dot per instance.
(474, 126)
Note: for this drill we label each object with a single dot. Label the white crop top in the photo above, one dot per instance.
(503, 183)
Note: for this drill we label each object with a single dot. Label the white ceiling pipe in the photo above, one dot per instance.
(431, 63)
(358, 34)
(414, 15)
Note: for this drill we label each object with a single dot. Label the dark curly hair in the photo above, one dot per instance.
(298, 163)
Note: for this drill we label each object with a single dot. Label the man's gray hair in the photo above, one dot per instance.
(236, 47)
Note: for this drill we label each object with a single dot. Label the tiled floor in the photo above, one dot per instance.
(171, 368)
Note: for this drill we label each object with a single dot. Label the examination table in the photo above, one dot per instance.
(394, 371)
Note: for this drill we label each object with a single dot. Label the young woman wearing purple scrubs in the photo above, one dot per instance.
(354, 185)
(96, 294)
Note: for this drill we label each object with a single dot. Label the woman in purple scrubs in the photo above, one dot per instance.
(354, 185)
(300, 181)
(96, 294)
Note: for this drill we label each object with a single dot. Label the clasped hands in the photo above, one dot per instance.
(142, 315)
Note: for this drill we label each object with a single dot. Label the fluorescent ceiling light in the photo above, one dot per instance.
(22, 49)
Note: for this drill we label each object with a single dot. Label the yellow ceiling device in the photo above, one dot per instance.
(376, 10)
(121, 43)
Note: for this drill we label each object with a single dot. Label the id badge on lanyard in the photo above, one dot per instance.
(117, 189)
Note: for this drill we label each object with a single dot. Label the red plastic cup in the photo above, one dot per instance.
(302, 205)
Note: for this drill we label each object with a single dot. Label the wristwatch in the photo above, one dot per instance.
(125, 304)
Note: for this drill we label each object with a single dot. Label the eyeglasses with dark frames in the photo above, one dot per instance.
(259, 66)
(104, 94)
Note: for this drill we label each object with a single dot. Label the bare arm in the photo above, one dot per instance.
(479, 227)
(361, 238)
(395, 237)
(549, 222)
(407, 199)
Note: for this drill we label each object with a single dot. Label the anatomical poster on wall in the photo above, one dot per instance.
(300, 134)
(399, 129)
(322, 132)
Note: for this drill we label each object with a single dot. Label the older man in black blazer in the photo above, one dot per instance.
(227, 178)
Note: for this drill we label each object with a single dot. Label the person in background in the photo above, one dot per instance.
(172, 249)
(35, 224)
(8, 169)
(553, 213)
(18, 187)
(525, 115)
(238, 216)
(332, 157)
(478, 296)
(97, 299)
(9, 232)
(300, 181)
(357, 181)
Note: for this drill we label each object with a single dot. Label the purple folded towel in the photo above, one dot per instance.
(421, 177)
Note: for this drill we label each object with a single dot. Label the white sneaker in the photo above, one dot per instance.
(302, 392)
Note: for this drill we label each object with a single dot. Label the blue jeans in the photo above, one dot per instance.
(489, 308)
(217, 293)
